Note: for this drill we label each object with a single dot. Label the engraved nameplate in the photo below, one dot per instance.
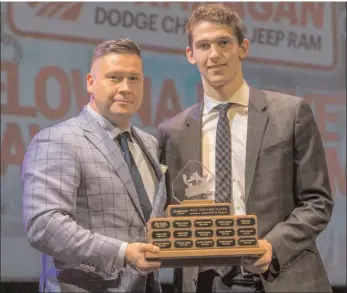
(225, 232)
(182, 224)
(247, 241)
(162, 244)
(246, 232)
(203, 223)
(183, 244)
(160, 234)
(203, 233)
(225, 223)
(245, 221)
(160, 224)
(182, 234)
(226, 242)
(215, 210)
(204, 243)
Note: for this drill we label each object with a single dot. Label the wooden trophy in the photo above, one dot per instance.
(201, 232)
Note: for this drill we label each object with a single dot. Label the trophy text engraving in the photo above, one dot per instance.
(204, 243)
(246, 232)
(225, 232)
(245, 221)
(225, 223)
(160, 224)
(203, 233)
(163, 244)
(226, 242)
(182, 224)
(247, 241)
(160, 234)
(182, 234)
(183, 244)
(218, 210)
(203, 223)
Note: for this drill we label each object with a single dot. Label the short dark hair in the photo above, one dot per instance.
(121, 46)
(216, 13)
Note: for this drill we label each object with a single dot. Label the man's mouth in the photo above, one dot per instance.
(216, 66)
(123, 101)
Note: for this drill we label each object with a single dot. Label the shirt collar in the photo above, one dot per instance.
(112, 130)
(241, 97)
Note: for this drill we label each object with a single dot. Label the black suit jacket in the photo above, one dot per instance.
(286, 183)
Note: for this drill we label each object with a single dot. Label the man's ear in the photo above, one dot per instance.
(190, 57)
(243, 49)
(90, 82)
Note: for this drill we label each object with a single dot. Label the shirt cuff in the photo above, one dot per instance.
(274, 269)
(119, 264)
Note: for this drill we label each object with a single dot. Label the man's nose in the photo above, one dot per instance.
(124, 86)
(215, 51)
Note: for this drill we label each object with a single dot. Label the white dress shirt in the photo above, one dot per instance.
(238, 118)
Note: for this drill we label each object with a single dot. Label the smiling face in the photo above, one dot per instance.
(216, 51)
(115, 84)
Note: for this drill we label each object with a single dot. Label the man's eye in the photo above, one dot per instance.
(133, 78)
(204, 46)
(223, 43)
(115, 78)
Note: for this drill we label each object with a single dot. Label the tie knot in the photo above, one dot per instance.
(223, 108)
(123, 139)
(124, 136)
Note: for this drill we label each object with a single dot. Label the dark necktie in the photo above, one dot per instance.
(135, 174)
(223, 156)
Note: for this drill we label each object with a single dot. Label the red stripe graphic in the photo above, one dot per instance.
(58, 10)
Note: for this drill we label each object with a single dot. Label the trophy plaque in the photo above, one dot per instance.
(196, 231)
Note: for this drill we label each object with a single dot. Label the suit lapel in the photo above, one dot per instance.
(257, 121)
(149, 150)
(191, 150)
(110, 149)
(192, 135)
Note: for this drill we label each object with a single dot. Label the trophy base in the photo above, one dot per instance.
(202, 257)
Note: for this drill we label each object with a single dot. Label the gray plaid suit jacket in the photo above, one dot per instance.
(80, 204)
(286, 183)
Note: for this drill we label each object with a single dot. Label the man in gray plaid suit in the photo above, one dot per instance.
(92, 182)
(265, 150)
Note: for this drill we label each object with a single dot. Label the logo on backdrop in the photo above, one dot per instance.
(57, 10)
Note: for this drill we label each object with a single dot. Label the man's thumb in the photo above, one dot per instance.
(150, 248)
